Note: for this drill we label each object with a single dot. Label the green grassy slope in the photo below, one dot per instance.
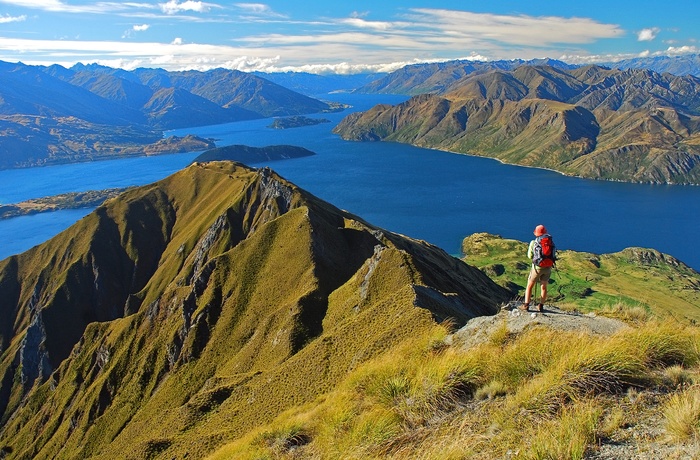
(542, 392)
(226, 295)
(634, 277)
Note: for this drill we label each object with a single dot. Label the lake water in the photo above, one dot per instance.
(432, 195)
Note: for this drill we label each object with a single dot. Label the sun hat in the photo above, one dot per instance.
(540, 230)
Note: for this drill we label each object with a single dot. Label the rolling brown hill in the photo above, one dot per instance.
(179, 315)
(633, 125)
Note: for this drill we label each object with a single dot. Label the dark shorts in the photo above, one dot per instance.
(541, 274)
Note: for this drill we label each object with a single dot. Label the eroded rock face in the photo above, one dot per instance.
(34, 357)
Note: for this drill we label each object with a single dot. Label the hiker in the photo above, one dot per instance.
(542, 253)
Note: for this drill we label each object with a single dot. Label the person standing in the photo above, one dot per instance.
(542, 253)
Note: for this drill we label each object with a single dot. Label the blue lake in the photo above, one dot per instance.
(432, 195)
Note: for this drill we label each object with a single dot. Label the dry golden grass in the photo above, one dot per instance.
(682, 415)
(540, 395)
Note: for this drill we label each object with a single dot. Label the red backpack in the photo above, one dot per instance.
(543, 253)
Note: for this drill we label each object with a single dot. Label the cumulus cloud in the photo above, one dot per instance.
(4, 19)
(135, 28)
(334, 45)
(174, 6)
(647, 35)
(677, 50)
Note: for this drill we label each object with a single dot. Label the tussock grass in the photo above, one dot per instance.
(682, 415)
(540, 395)
(634, 314)
(677, 376)
(568, 436)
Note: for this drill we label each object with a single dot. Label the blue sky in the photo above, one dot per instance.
(325, 36)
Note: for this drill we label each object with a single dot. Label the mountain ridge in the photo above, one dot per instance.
(188, 297)
(632, 125)
(57, 115)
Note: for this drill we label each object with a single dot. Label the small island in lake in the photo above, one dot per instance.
(247, 154)
(296, 121)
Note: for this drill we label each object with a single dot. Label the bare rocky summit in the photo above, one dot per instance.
(478, 330)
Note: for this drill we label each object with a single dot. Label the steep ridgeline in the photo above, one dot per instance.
(434, 77)
(633, 125)
(181, 314)
(685, 64)
(57, 115)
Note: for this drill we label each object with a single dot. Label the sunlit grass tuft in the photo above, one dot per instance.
(636, 314)
(682, 415)
(542, 394)
(568, 436)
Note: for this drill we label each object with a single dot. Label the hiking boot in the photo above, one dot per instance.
(524, 306)
(540, 307)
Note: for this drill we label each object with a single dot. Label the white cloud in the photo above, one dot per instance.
(51, 5)
(135, 28)
(362, 24)
(174, 6)
(341, 45)
(4, 19)
(62, 7)
(514, 30)
(677, 50)
(257, 8)
(647, 35)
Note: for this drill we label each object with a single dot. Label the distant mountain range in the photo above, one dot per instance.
(437, 77)
(218, 297)
(687, 64)
(53, 114)
(632, 125)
